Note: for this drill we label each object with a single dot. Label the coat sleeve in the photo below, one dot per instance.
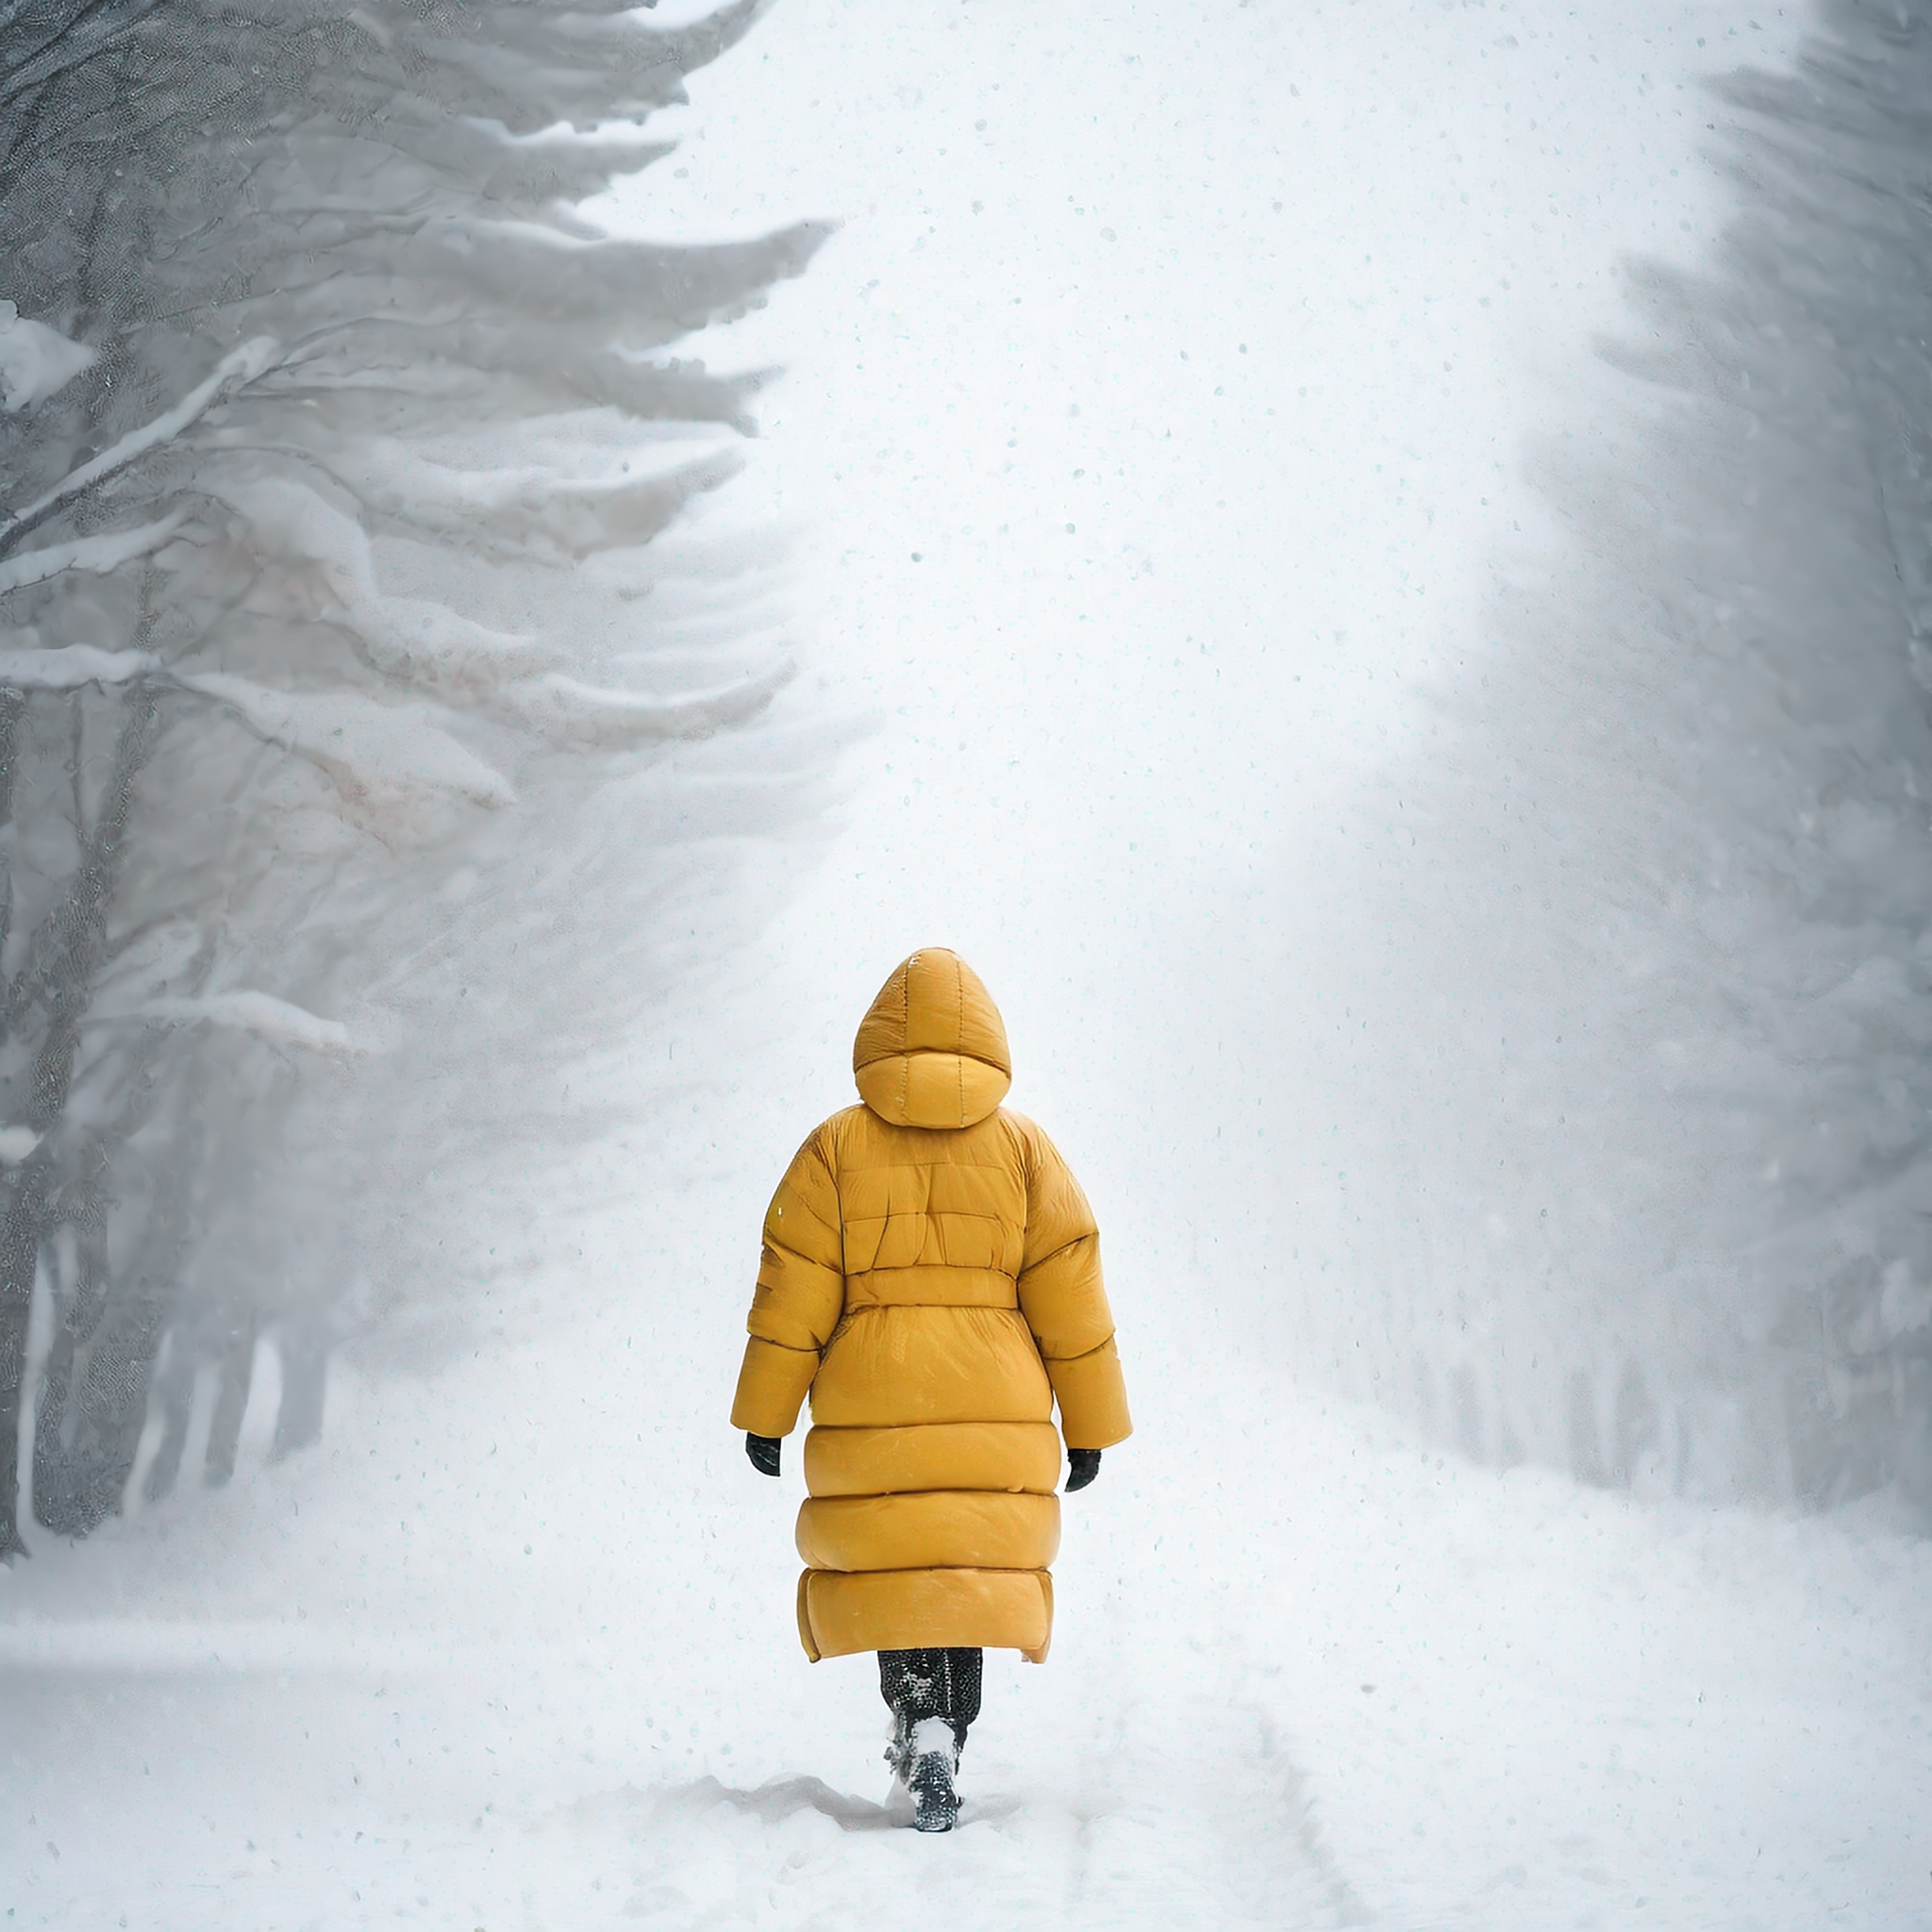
(1065, 1304)
(800, 1294)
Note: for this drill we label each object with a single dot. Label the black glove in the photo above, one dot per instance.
(1083, 1465)
(763, 1451)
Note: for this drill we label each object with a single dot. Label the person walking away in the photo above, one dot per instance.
(930, 1275)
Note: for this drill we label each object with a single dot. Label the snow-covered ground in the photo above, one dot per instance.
(514, 1652)
(1149, 432)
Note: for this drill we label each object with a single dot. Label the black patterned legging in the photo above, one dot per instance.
(919, 1684)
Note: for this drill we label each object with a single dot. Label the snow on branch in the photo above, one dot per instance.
(101, 553)
(238, 366)
(261, 1014)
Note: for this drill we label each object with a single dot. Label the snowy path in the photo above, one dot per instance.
(513, 1649)
(1584, 1712)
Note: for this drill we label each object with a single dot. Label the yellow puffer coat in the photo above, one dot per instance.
(931, 1274)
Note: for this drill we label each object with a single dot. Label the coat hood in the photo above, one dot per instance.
(932, 1051)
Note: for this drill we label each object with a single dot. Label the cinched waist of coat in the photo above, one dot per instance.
(930, 1287)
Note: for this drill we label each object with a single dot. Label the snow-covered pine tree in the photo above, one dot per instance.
(311, 371)
(1628, 1166)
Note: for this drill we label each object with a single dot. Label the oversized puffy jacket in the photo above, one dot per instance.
(931, 1276)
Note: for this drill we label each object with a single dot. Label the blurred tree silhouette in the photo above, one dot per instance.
(1654, 1199)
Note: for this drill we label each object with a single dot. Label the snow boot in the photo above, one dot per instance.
(925, 1767)
(933, 1695)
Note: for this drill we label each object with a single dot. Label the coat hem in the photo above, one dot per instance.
(842, 1612)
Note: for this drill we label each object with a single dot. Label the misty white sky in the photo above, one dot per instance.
(1262, 300)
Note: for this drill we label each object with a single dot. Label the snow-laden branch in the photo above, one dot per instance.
(236, 367)
(570, 713)
(523, 510)
(412, 639)
(385, 758)
(100, 554)
(279, 1022)
(68, 667)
